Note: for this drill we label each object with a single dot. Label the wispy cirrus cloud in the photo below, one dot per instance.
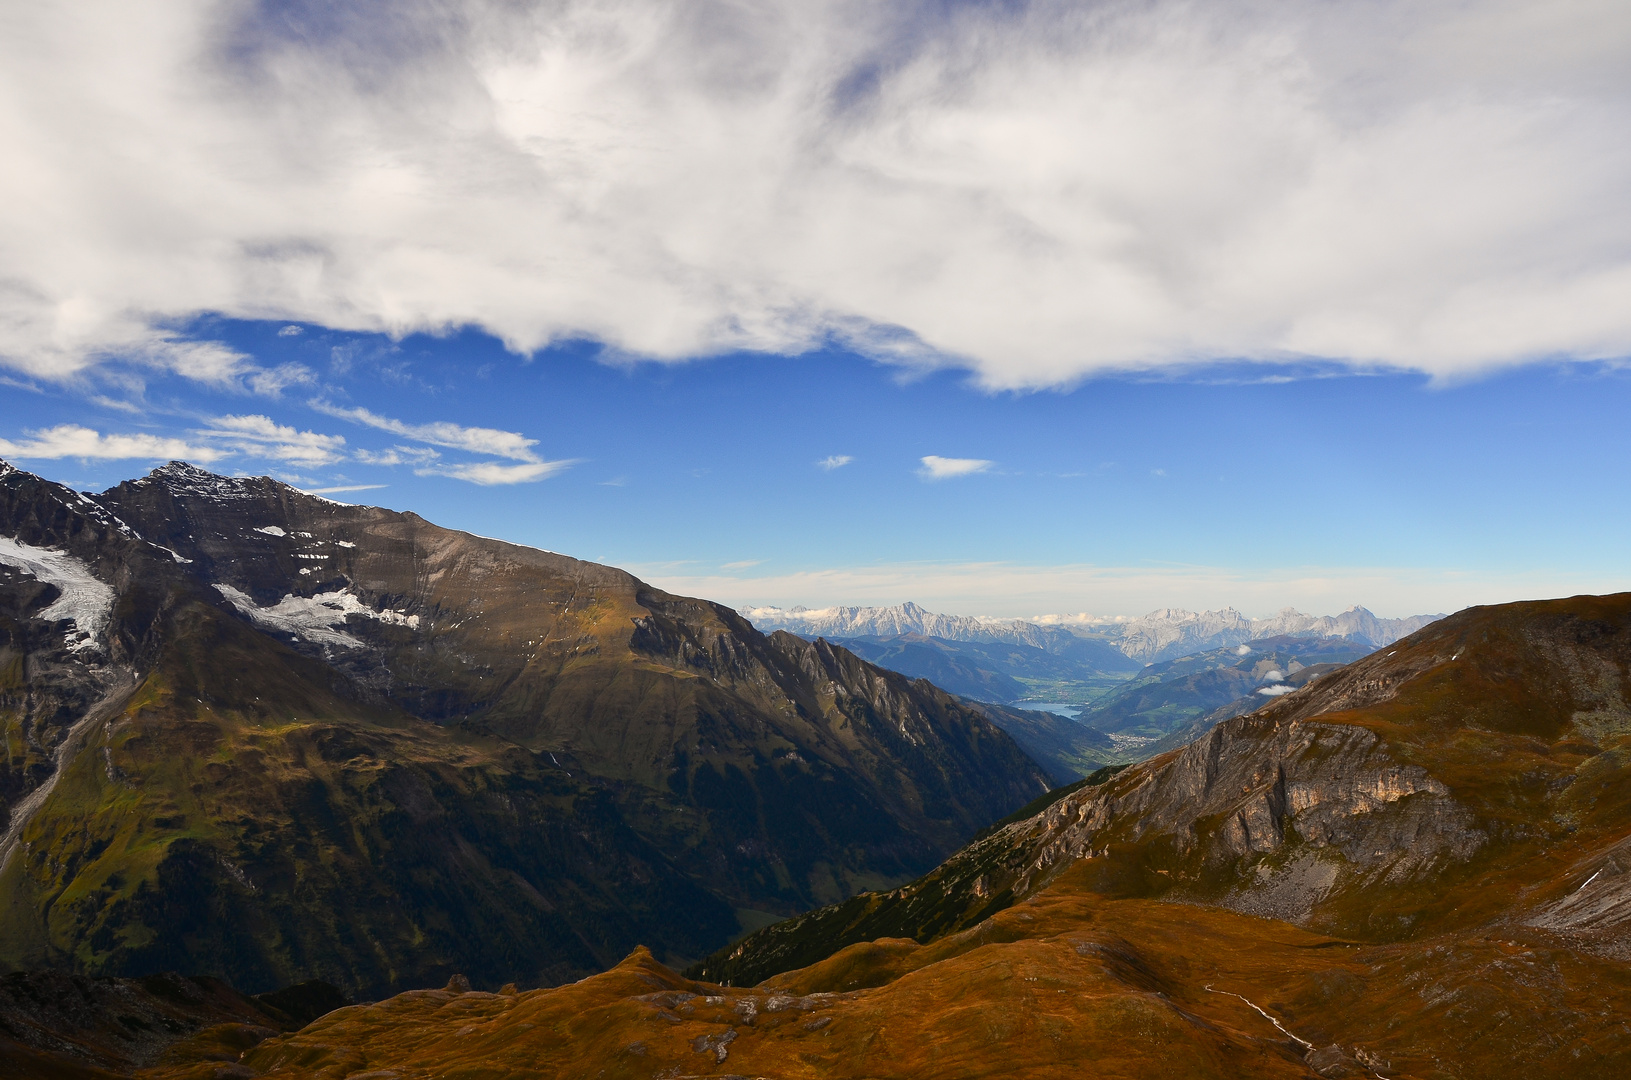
(75, 441)
(490, 473)
(217, 365)
(510, 445)
(261, 436)
(343, 488)
(945, 468)
(256, 437)
(480, 440)
(835, 461)
(398, 455)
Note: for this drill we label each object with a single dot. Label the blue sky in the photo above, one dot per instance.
(1237, 484)
(1105, 306)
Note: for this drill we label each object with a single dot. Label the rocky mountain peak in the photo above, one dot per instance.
(184, 478)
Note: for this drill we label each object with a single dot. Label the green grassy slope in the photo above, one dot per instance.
(504, 761)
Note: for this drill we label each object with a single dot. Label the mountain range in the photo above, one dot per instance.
(267, 739)
(1415, 866)
(255, 734)
(1163, 634)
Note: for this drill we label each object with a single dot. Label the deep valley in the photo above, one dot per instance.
(539, 819)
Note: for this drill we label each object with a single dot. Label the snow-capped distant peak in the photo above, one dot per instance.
(1162, 634)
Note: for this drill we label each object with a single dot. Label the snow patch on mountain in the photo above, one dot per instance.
(315, 618)
(85, 600)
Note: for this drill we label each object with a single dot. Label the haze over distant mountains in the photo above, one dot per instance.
(1163, 634)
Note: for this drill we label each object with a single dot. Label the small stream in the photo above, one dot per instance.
(28, 805)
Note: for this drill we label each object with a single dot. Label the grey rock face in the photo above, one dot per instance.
(1255, 785)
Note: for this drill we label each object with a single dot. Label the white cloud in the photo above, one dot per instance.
(507, 444)
(398, 455)
(73, 441)
(504, 444)
(271, 382)
(260, 436)
(1036, 191)
(345, 488)
(944, 468)
(292, 331)
(489, 473)
(210, 362)
(835, 461)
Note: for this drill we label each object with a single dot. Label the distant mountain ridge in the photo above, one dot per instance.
(907, 618)
(1173, 632)
(1163, 634)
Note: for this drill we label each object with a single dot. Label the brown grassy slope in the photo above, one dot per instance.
(1066, 984)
